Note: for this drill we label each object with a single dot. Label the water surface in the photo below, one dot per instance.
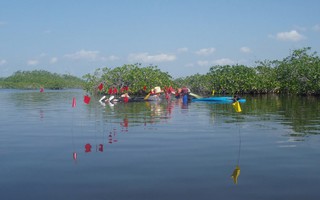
(148, 150)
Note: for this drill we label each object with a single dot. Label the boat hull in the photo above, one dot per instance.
(218, 99)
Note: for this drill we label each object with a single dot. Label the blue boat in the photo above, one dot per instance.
(218, 99)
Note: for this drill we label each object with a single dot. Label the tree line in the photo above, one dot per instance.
(40, 78)
(298, 73)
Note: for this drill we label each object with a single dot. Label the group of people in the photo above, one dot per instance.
(155, 94)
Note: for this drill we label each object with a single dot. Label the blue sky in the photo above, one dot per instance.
(181, 37)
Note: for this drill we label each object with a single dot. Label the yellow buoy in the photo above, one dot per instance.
(237, 106)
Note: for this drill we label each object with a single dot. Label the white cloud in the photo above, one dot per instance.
(245, 49)
(53, 60)
(205, 51)
(3, 61)
(316, 27)
(113, 57)
(224, 61)
(83, 54)
(290, 36)
(91, 56)
(110, 58)
(32, 62)
(203, 63)
(145, 57)
(182, 50)
(189, 65)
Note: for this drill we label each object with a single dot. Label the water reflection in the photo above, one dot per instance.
(235, 174)
(74, 156)
(184, 106)
(236, 171)
(301, 114)
(88, 148)
(138, 113)
(125, 124)
(169, 147)
(122, 116)
(118, 119)
(41, 113)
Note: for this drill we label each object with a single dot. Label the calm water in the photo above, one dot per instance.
(150, 151)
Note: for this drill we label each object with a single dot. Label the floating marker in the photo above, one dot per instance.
(86, 99)
(74, 102)
(236, 106)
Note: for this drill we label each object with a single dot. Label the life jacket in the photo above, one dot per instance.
(184, 90)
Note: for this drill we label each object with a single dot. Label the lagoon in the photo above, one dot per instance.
(157, 150)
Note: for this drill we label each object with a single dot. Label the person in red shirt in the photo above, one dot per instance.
(114, 90)
(110, 91)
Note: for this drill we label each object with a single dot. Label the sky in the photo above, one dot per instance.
(181, 37)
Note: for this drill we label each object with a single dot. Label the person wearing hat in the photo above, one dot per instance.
(185, 94)
(125, 97)
(155, 94)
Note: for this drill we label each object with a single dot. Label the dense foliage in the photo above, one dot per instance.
(137, 79)
(40, 78)
(298, 73)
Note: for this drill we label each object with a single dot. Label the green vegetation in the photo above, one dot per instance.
(138, 79)
(40, 78)
(299, 73)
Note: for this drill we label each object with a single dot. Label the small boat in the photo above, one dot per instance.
(221, 99)
(112, 100)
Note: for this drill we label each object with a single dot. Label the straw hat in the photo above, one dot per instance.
(125, 95)
(157, 89)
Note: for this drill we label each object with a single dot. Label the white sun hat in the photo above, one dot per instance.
(157, 89)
